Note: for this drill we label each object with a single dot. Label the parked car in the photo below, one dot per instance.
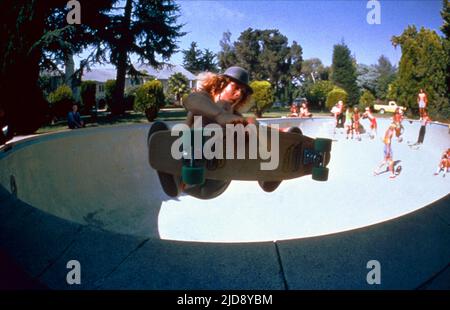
(298, 101)
(390, 107)
(278, 104)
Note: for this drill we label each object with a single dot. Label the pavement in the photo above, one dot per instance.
(89, 195)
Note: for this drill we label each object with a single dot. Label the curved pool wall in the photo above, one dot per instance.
(50, 215)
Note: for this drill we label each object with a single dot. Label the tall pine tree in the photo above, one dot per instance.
(386, 73)
(343, 72)
(144, 28)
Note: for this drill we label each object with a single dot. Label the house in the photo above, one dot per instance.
(101, 75)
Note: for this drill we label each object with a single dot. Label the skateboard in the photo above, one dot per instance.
(397, 170)
(414, 146)
(299, 155)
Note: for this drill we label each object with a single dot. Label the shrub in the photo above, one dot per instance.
(317, 93)
(366, 100)
(439, 109)
(149, 99)
(109, 91)
(130, 96)
(335, 95)
(263, 96)
(60, 101)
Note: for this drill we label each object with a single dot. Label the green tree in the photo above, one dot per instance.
(317, 93)
(367, 77)
(144, 28)
(227, 55)
(312, 70)
(149, 99)
(386, 74)
(192, 58)
(263, 96)
(367, 99)
(422, 65)
(335, 95)
(110, 86)
(208, 61)
(267, 56)
(60, 101)
(178, 86)
(248, 50)
(343, 72)
(196, 60)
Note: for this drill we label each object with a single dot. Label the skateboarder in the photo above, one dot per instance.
(348, 122)
(388, 154)
(337, 111)
(220, 99)
(422, 101)
(373, 122)
(355, 119)
(444, 164)
(397, 120)
(423, 124)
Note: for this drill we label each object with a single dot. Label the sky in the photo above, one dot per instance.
(316, 25)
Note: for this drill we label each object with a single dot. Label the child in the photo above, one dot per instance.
(424, 122)
(337, 112)
(422, 101)
(294, 110)
(304, 112)
(444, 164)
(355, 119)
(373, 122)
(348, 122)
(388, 154)
(397, 120)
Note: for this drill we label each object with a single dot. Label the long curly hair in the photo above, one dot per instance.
(214, 84)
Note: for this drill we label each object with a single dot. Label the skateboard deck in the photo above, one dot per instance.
(397, 171)
(297, 157)
(414, 146)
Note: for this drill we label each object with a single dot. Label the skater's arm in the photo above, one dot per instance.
(201, 104)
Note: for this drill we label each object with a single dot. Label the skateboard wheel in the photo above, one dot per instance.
(320, 173)
(322, 145)
(295, 130)
(193, 175)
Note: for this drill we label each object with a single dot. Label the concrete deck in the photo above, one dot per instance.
(90, 195)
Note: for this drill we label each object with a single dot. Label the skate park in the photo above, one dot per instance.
(90, 196)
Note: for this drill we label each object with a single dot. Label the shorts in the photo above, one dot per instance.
(422, 104)
(373, 123)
